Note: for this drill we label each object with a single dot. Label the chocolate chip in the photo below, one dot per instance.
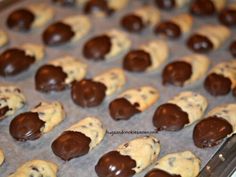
(232, 48)
(26, 126)
(228, 17)
(137, 61)
(113, 164)
(217, 84)
(3, 111)
(132, 23)
(122, 109)
(176, 73)
(20, 19)
(57, 34)
(88, 93)
(170, 117)
(71, 144)
(211, 131)
(50, 78)
(199, 43)
(97, 48)
(159, 173)
(166, 4)
(202, 7)
(14, 61)
(96, 5)
(65, 2)
(169, 29)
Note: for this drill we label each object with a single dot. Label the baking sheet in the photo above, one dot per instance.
(17, 153)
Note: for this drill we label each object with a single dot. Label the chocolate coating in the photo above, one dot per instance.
(137, 61)
(94, 5)
(160, 173)
(211, 131)
(3, 111)
(166, 4)
(122, 109)
(202, 8)
(228, 17)
(169, 29)
(113, 164)
(176, 73)
(20, 19)
(57, 34)
(169, 117)
(88, 93)
(199, 43)
(132, 23)
(232, 48)
(234, 92)
(71, 144)
(26, 126)
(50, 78)
(14, 61)
(65, 2)
(217, 84)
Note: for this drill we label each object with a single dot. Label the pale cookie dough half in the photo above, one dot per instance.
(1, 157)
(184, 21)
(11, 100)
(3, 38)
(79, 139)
(36, 168)
(184, 164)
(34, 50)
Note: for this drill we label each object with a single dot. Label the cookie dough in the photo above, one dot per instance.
(186, 70)
(36, 168)
(79, 139)
(208, 38)
(133, 101)
(40, 120)
(227, 16)
(58, 74)
(182, 110)
(1, 157)
(29, 17)
(3, 38)
(129, 158)
(11, 100)
(107, 45)
(221, 79)
(171, 4)
(148, 57)
(180, 164)
(69, 29)
(218, 124)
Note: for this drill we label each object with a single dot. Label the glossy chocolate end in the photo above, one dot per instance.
(176, 73)
(199, 43)
(166, 4)
(113, 164)
(88, 93)
(217, 84)
(232, 49)
(50, 78)
(170, 117)
(14, 61)
(26, 126)
(234, 92)
(57, 34)
(137, 61)
(96, 5)
(3, 112)
(211, 131)
(97, 48)
(169, 29)
(228, 17)
(202, 8)
(159, 173)
(132, 23)
(71, 144)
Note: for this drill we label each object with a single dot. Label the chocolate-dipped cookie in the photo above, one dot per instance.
(171, 4)
(175, 27)
(16, 60)
(208, 38)
(11, 100)
(29, 17)
(182, 110)
(206, 7)
(106, 46)
(129, 158)
(179, 164)
(79, 139)
(69, 29)
(40, 120)
(133, 101)
(147, 57)
(92, 92)
(218, 124)
(234, 92)
(221, 79)
(227, 16)
(3, 38)
(58, 74)
(186, 70)
(232, 48)
(140, 19)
